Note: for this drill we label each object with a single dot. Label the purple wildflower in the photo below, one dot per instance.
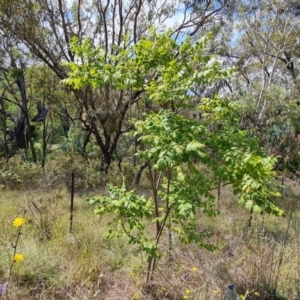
(2, 288)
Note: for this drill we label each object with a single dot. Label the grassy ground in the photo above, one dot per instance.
(263, 261)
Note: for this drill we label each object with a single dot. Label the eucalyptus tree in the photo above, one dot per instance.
(46, 28)
(264, 49)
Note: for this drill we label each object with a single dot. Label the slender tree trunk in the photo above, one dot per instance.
(4, 129)
(86, 141)
(22, 128)
(105, 163)
(139, 174)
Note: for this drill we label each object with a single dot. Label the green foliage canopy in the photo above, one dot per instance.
(172, 140)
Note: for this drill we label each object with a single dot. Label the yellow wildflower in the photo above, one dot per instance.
(185, 297)
(242, 297)
(216, 291)
(187, 291)
(194, 269)
(257, 294)
(18, 222)
(18, 257)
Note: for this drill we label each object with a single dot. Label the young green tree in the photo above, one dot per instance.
(176, 143)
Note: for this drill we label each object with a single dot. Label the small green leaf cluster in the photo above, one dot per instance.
(237, 157)
(130, 211)
(171, 138)
(15, 73)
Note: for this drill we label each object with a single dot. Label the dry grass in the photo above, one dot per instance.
(85, 265)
